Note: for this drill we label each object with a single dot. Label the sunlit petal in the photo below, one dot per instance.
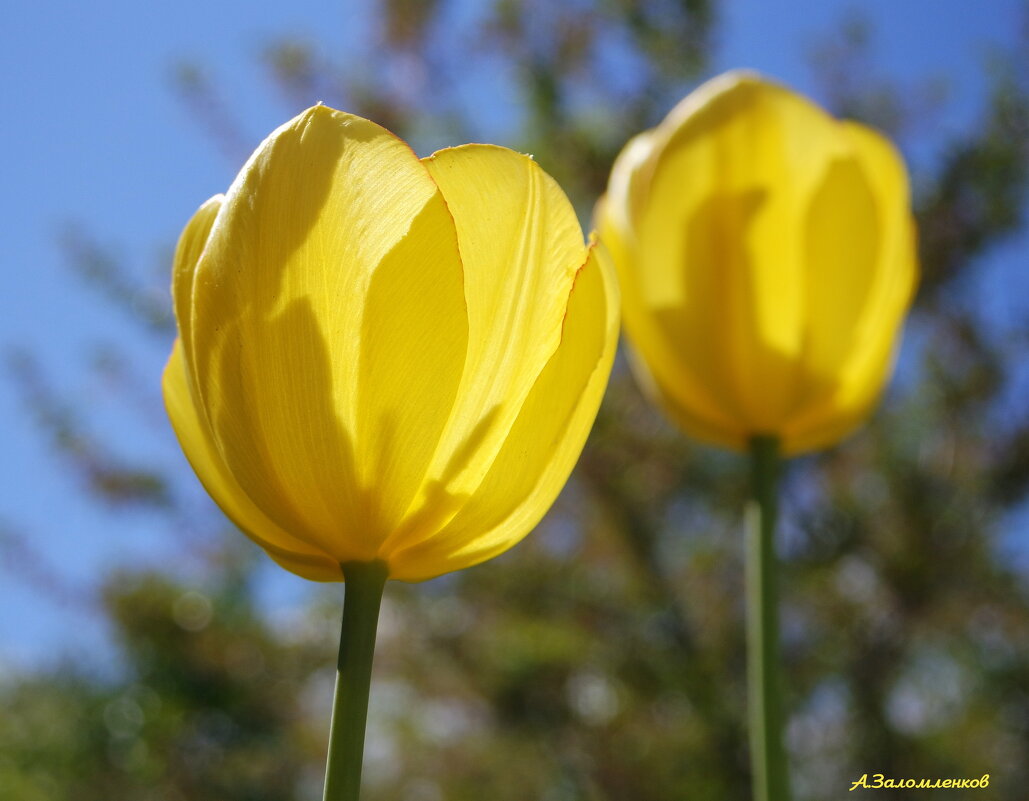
(197, 444)
(544, 442)
(858, 294)
(521, 246)
(330, 328)
(187, 253)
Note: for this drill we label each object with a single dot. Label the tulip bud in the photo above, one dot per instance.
(382, 358)
(766, 254)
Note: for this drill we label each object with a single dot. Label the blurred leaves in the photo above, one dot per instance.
(602, 658)
(206, 707)
(977, 197)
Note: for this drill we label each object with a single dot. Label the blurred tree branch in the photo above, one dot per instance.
(602, 659)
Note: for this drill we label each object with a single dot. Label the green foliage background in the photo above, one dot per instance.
(602, 658)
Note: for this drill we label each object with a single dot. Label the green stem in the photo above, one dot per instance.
(364, 585)
(767, 757)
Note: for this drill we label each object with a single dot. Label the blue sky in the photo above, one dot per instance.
(94, 134)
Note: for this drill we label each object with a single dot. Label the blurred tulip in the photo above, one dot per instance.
(766, 253)
(386, 359)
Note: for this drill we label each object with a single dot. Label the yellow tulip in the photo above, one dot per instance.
(386, 359)
(766, 254)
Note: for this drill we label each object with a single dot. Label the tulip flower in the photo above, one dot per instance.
(386, 367)
(766, 253)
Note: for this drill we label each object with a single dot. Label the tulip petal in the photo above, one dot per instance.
(521, 246)
(843, 254)
(544, 443)
(198, 446)
(862, 271)
(329, 329)
(654, 355)
(718, 237)
(187, 253)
